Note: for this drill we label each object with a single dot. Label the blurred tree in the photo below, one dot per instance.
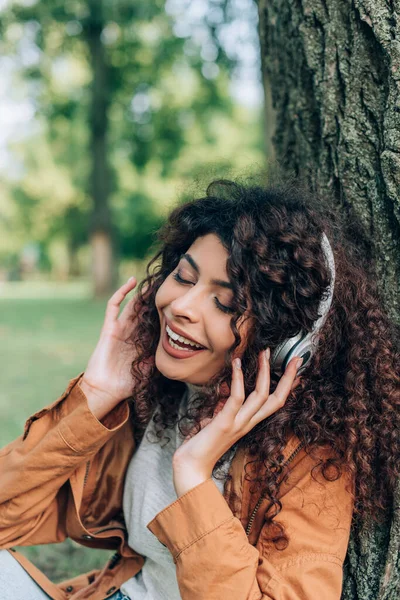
(120, 79)
(332, 68)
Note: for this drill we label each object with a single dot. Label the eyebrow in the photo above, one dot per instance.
(196, 267)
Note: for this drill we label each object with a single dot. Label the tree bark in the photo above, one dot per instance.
(333, 67)
(101, 229)
(332, 73)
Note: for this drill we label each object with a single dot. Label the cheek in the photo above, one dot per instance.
(158, 297)
(225, 338)
(163, 295)
(221, 335)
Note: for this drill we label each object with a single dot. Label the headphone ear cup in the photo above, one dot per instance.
(283, 353)
(300, 345)
(275, 360)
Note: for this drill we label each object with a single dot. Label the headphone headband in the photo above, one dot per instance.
(326, 304)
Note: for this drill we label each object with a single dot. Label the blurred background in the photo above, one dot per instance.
(108, 109)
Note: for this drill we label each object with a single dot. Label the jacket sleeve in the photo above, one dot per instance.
(35, 468)
(215, 560)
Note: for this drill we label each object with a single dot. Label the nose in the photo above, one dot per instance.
(187, 305)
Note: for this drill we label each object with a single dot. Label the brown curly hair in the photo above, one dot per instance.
(348, 397)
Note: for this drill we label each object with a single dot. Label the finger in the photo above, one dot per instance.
(263, 376)
(277, 400)
(296, 382)
(237, 395)
(114, 303)
(286, 382)
(127, 312)
(283, 389)
(260, 394)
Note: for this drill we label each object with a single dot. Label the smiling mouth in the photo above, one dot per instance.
(177, 341)
(176, 348)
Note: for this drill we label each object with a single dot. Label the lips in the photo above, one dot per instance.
(174, 352)
(178, 331)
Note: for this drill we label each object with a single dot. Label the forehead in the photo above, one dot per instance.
(207, 256)
(209, 246)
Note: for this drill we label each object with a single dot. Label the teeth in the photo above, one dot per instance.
(178, 347)
(180, 338)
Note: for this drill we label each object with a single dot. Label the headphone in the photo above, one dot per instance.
(305, 344)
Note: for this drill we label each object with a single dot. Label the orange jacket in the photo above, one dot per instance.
(64, 477)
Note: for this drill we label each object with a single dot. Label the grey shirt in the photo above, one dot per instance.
(149, 489)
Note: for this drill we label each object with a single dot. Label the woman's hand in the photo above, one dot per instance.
(195, 459)
(107, 379)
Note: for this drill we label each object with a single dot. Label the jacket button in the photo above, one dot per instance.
(112, 589)
(70, 588)
(87, 537)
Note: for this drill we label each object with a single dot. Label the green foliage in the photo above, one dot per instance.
(164, 116)
(137, 223)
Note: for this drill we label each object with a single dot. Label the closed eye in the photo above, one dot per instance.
(222, 307)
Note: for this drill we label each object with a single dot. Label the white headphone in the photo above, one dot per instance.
(305, 344)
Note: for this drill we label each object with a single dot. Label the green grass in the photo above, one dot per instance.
(47, 334)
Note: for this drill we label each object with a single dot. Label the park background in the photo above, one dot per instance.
(108, 111)
(111, 111)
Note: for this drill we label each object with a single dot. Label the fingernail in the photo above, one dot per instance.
(298, 362)
(268, 353)
(237, 363)
(130, 279)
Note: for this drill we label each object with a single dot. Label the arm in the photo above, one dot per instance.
(34, 469)
(215, 560)
(59, 439)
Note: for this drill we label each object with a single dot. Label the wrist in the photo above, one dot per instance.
(99, 402)
(186, 476)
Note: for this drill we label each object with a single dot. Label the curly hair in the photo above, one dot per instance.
(348, 396)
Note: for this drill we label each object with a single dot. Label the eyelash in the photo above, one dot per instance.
(224, 309)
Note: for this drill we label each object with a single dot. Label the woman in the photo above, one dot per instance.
(210, 477)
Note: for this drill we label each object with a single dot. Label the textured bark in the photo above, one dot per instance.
(332, 69)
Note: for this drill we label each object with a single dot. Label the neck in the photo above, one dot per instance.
(192, 389)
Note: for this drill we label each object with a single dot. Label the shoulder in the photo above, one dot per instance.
(317, 502)
(314, 470)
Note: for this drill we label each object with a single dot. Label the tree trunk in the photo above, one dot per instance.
(73, 262)
(333, 67)
(332, 72)
(101, 229)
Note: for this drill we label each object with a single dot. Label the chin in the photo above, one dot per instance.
(167, 371)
